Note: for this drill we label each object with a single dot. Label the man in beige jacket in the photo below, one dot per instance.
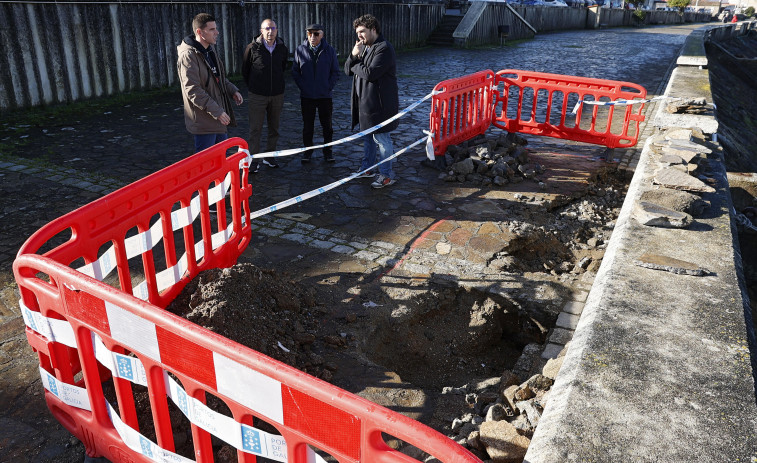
(206, 90)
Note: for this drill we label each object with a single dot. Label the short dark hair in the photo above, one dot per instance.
(368, 21)
(201, 20)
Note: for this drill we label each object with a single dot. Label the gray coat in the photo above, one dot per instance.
(375, 96)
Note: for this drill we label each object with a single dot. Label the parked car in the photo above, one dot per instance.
(556, 3)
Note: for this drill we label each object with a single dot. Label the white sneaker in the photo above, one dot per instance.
(382, 181)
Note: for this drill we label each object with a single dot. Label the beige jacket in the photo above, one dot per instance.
(205, 98)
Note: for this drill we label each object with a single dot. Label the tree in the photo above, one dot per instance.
(680, 4)
(749, 11)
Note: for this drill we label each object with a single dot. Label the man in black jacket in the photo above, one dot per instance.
(263, 65)
(316, 71)
(375, 97)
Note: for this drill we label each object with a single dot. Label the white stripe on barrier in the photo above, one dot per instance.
(619, 102)
(141, 444)
(130, 330)
(51, 328)
(186, 215)
(250, 388)
(102, 267)
(69, 394)
(122, 366)
(330, 186)
(145, 241)
(219, 191)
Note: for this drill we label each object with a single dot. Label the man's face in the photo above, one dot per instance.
(365, 35)
(269, 31)
(210, 33)
(315, 37)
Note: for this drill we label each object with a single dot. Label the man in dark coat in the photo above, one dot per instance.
(316, 71)
(263, 65)
(375, 97)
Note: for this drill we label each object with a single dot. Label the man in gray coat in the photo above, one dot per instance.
(206, 90)
(375, 96)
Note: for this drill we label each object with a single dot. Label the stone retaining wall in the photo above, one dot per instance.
(664, 348)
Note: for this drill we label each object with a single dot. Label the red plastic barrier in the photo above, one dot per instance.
(535, 103)
(304, 410)
(462, 109)
(541, 104)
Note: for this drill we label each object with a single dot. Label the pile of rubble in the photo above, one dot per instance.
(499, 415)
(483, 161)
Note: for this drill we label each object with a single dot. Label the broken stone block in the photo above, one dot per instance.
(687, 153)
(677, 200)
(669, 264)
(671, 159)
(552, 368)
(463, 167)
(532, 413)
(654, 215)
(503, 442)
(677, 180)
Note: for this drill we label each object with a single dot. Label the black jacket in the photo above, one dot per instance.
(262, 71)
(375, 97)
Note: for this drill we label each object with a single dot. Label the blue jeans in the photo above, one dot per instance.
(207, 140)
(381, 143)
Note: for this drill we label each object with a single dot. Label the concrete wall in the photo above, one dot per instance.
(479, 26)
(56, 52)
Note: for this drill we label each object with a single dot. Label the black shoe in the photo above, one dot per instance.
(270, 163)
(329, 157)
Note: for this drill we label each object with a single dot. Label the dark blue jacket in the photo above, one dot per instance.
(315, 74)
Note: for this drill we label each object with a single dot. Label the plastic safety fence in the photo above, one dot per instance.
(597, 111)
(461, 109)
(136, 383)
(538, 103)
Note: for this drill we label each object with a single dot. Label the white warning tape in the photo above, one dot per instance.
(356, 136)
(619, 102)
(243, 437)
(330, 186)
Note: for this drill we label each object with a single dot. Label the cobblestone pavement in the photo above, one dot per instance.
(417, 227)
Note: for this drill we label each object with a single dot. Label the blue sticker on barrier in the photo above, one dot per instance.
(146, 446)
(124, 368)
(53, 385)
(251, 440)
(182, 402)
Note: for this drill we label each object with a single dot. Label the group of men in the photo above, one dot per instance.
(208, 93)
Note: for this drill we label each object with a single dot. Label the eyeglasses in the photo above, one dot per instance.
(270, 28)
(315, 33)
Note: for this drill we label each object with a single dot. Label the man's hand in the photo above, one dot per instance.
(238, 98)
(357, 50)
(224, 118)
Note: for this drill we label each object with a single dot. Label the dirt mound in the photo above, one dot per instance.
(258, 308)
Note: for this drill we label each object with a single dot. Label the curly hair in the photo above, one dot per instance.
(368, 21)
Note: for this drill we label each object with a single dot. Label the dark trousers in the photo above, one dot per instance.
(325, 107)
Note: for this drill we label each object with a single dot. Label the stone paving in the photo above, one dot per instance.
(420, 226)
